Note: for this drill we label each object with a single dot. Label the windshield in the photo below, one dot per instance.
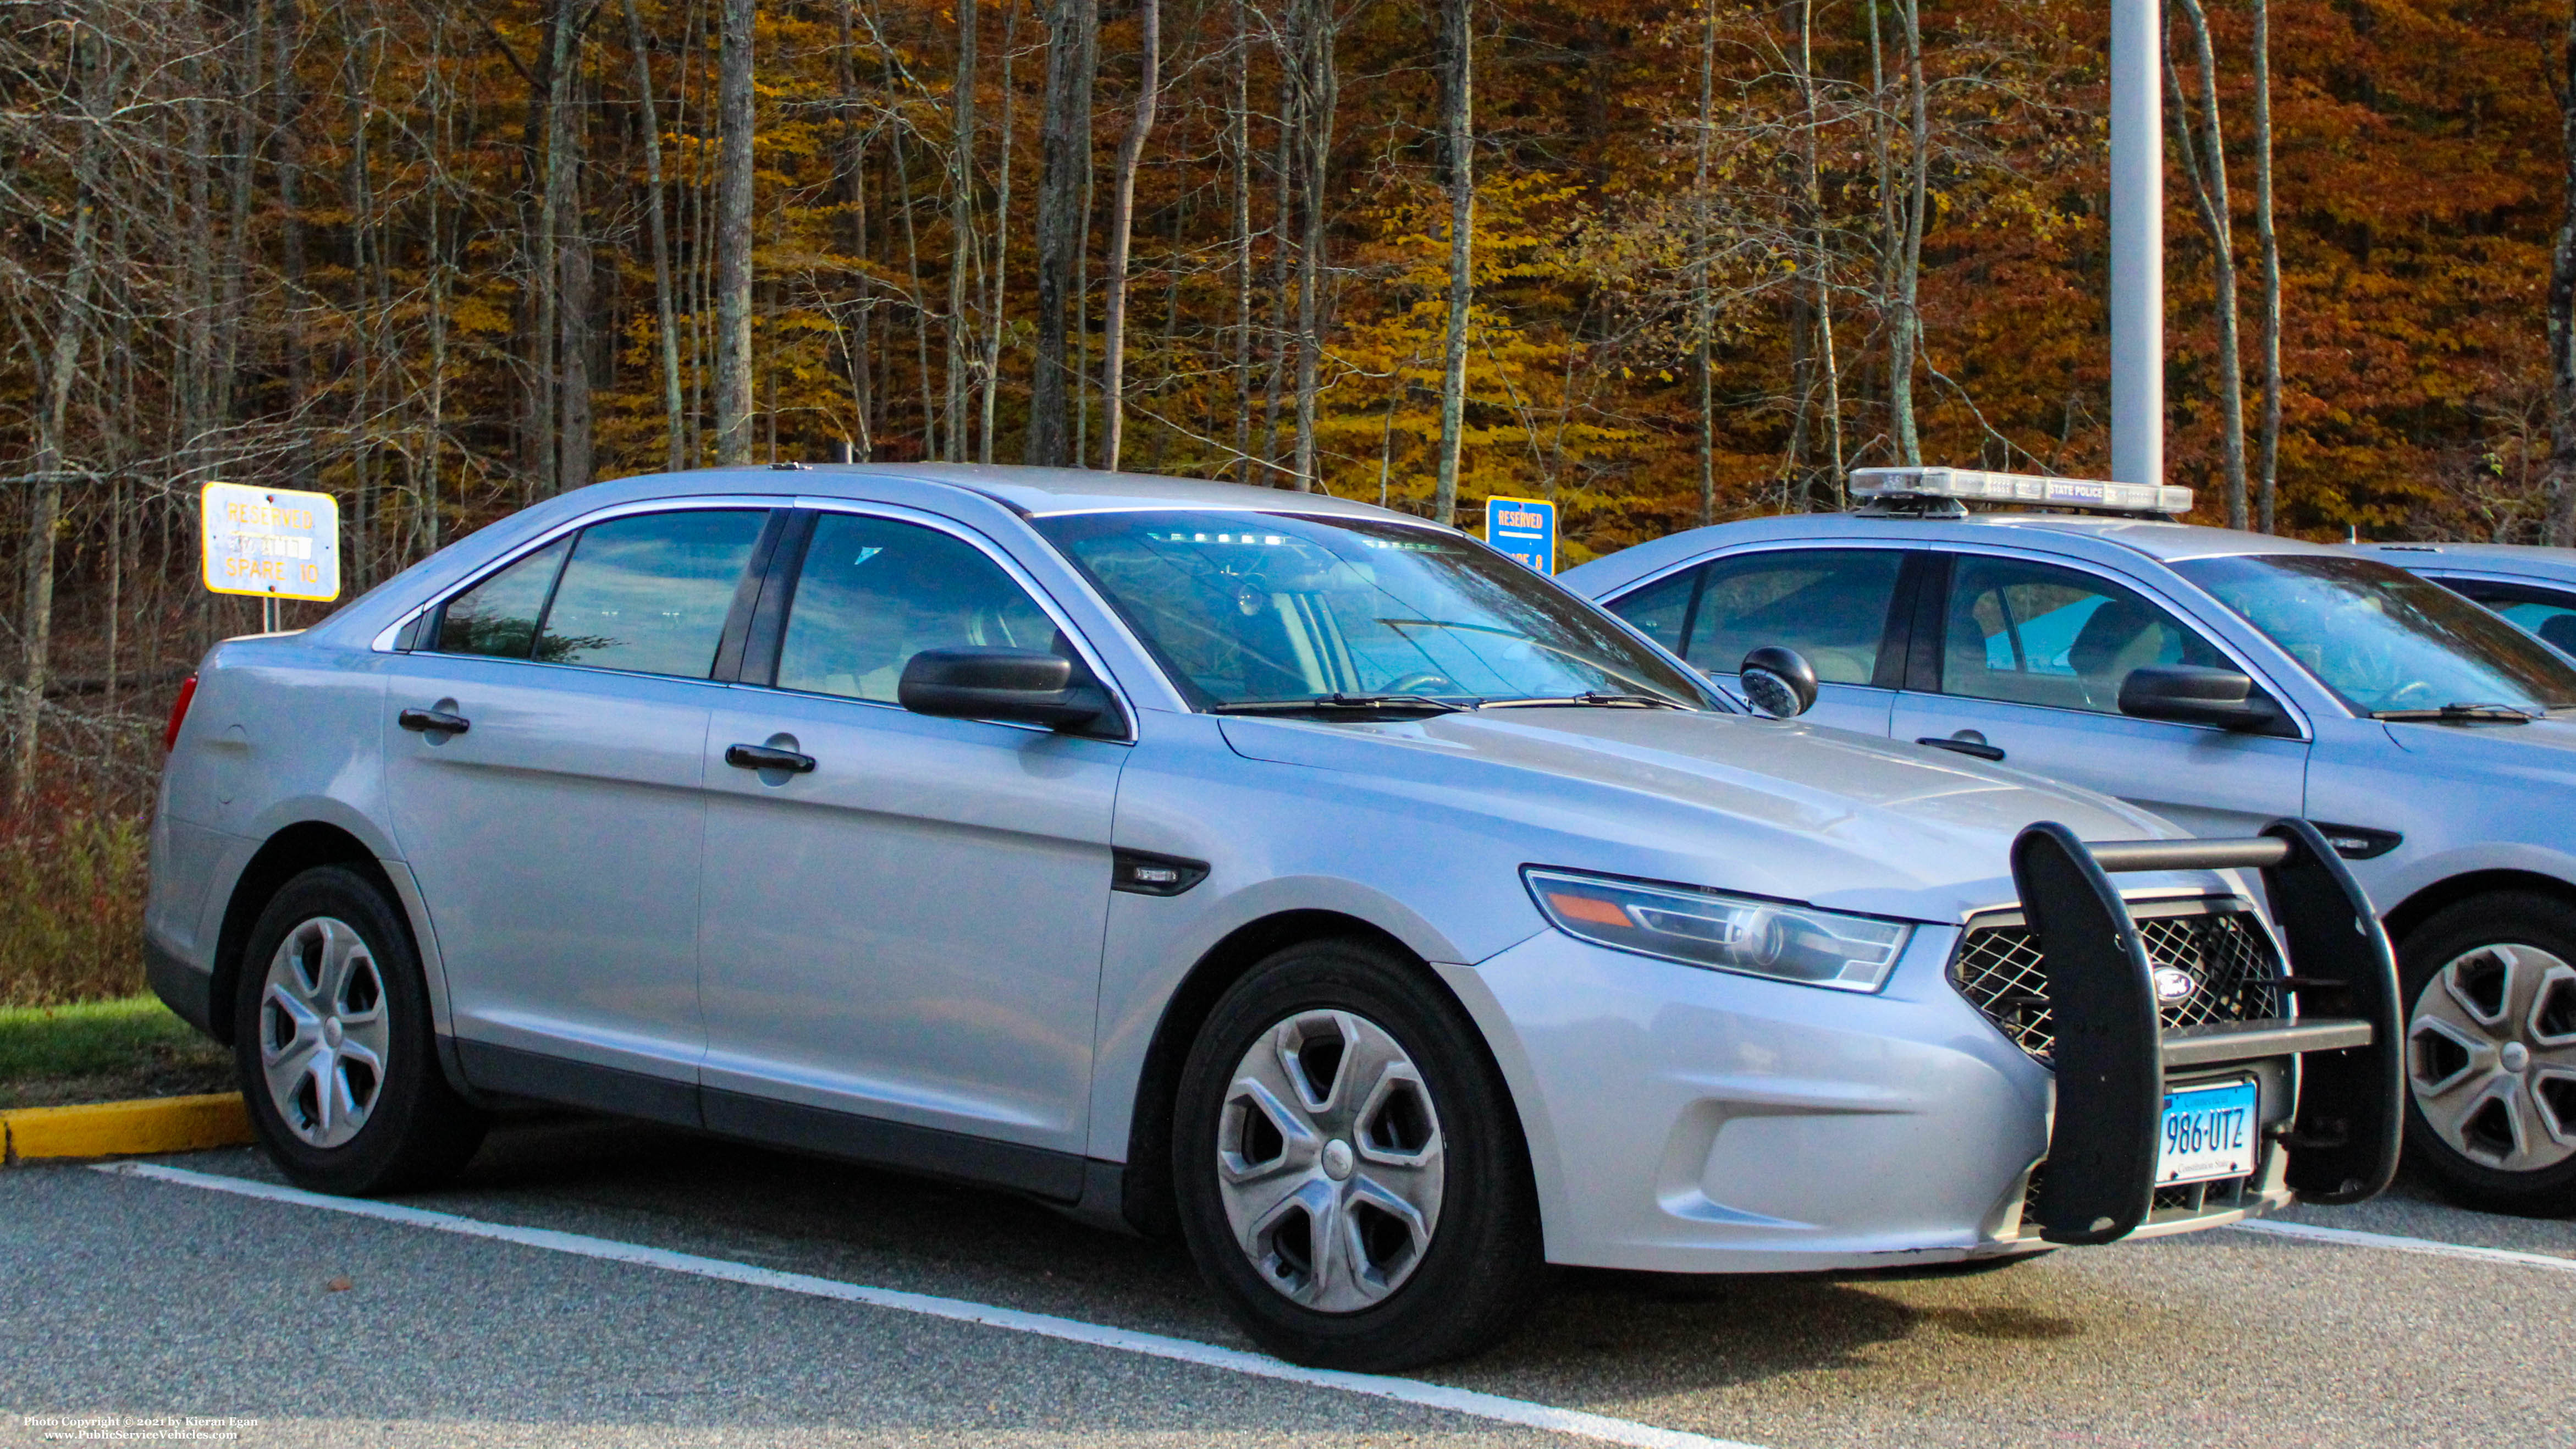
(1273, 607)
(2383, 639)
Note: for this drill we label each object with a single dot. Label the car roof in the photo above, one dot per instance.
(2525, 560)
(2170, 542)
(1038, 492)
(1029, 492)
(2082, 535)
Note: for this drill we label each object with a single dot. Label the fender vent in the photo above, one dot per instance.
(2235, 969)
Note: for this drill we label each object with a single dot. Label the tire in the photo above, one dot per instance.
(2490, 991)
(333, 1043)
(1409, 1153)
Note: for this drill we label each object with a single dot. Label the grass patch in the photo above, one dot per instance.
(105, 1051)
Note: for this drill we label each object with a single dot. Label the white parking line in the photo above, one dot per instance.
(1411, 1391)
(2391, 1243)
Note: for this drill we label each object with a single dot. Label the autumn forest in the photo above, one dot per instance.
(1662, 262)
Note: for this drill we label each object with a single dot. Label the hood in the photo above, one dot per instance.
(2542, 752)
(1769, 807)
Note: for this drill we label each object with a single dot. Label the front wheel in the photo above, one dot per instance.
(1350, 1170)
(334, 1046)
(2490, 988)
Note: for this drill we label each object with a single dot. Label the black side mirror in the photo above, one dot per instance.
(1778, 681)
(1023, 685)
(2192, 694)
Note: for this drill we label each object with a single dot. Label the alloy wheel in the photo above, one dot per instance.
(323, 1032)
(1329, 1160)
(2491, 1055)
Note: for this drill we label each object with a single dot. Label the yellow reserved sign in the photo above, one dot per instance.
(274, 543)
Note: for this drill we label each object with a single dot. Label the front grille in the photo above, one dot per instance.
(2229, 956)
(2190, 1199)
(2234, 968)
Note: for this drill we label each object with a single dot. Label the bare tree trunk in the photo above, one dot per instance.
(1064, 156)
(733, 239)
(2205, 165)
(1283, 174)
(1239, 132)
(853, 166)
(2268, 238)
(1122, 214)
(1181, 215)
(671, 455)
(45, 517)
(920, 314)
(1082, 285)
(288, 166)
(1702, 330)
(545, 267)
(357, 196)
(2561, 523)
(573, 284)
(994, 319)
(442, 283)
(1821, 262)
(1322, 86)
(1907, 340)
(1458, 149)
(962, 241)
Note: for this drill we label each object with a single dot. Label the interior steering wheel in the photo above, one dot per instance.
(2417, 695)
(1425, 682)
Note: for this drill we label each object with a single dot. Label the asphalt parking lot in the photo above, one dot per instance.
(610, 1284)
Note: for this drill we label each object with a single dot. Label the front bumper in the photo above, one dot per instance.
(1693, 1121)
(1682, 1120)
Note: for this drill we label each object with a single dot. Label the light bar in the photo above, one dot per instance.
(2030, 488)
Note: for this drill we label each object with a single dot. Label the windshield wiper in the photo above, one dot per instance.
(2458, 714)
(1593, 697)
(1337, 703)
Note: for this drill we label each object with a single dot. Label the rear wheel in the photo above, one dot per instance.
(333, 1043)
(2490, 988)
(1350, 1171)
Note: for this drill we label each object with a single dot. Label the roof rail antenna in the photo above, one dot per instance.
(1921, 492)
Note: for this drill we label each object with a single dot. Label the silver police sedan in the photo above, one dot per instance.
(1303, 878)
(2533, 586)
(2219, 679)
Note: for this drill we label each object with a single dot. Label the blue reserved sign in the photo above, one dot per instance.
(1525, 528)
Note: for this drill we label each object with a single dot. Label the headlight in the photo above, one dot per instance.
(1726, 933)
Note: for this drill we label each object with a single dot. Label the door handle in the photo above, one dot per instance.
(433, 722)
(1978, 749)
(763, 757)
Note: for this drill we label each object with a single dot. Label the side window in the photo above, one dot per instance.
(649, 594)
(874, 592)
(2544, 612)
(1831, 605)
(2028, 633)
(499, 615)
(1661, 610)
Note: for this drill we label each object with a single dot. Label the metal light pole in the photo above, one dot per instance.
(2137, 243)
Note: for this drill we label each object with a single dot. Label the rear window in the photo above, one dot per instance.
(648, 594)
(1830, 605)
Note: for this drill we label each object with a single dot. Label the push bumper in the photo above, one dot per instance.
(2112, 1054)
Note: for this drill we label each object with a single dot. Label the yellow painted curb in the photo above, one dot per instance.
(118, 1129)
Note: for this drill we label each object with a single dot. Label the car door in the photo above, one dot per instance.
(2021, 661)
(2547, 612)
(544, 754)
(901, 942)
(1836, 606)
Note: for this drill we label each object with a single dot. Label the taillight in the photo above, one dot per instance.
(178, 714)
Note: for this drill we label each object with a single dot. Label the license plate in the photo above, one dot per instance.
(2208, 1132)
